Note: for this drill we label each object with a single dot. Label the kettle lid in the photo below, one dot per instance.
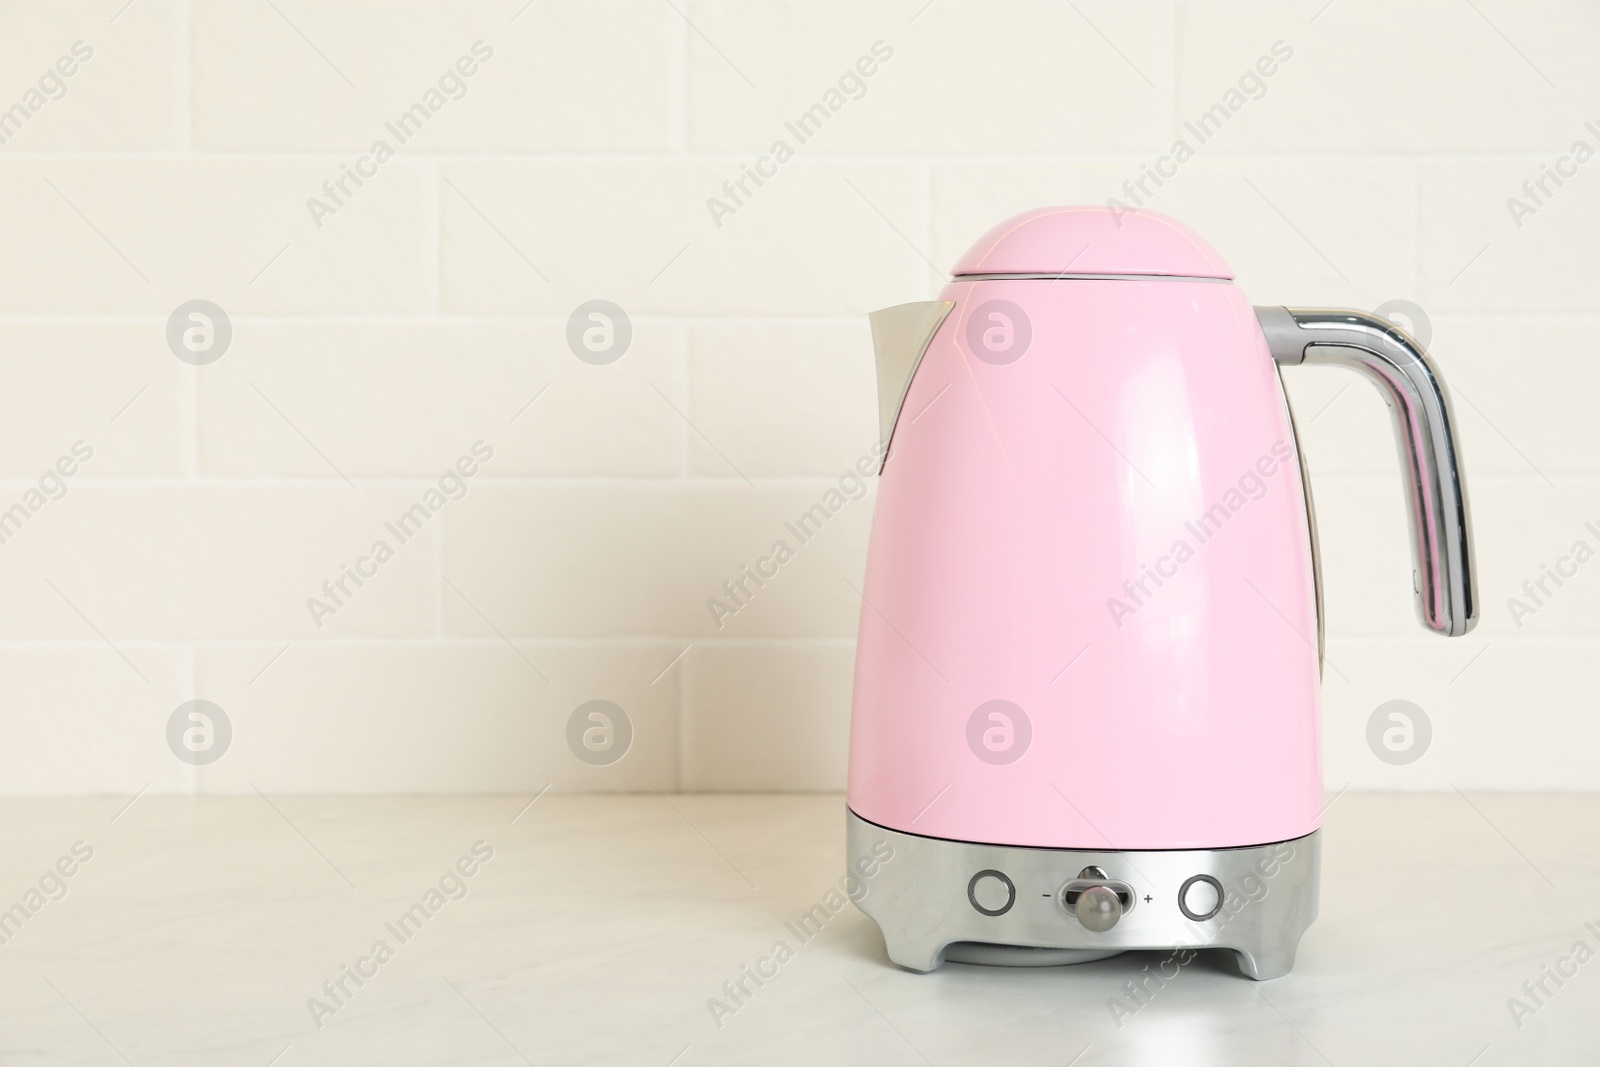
(1093, 240)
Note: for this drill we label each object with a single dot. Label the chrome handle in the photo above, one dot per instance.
(1424, 427)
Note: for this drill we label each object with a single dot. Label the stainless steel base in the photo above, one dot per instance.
(920, 893)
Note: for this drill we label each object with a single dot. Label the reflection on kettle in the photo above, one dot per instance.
(1086, 711)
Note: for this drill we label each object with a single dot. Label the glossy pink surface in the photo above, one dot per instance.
(1092, 240)
(1017, 499)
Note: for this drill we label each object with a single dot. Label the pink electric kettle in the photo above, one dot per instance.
(1086, 693)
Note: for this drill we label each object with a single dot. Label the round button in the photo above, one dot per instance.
(1200, 898)
(1098, 908)
(991, 892)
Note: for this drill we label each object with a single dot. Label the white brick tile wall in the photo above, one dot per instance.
(584, 78)
(438, 717)
(437, 387)
(109, 383)
(1369, 78)
(634, 559)
(1520, 424)
(811, 241)
(1475, 254)
(1366, 557)
(381, 328)
(1013, 77)
(1500, 710)
(206, 561)
(826, 420)
(103, 86)
(1525, 527)
(758, 715)
(143, 235)
(80, 719)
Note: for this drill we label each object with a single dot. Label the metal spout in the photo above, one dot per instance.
(900, 335)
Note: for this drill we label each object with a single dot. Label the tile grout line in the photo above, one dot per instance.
(683, 725)
(680, 113)
(1413, 234)
(457, 319)
(676, 480)
(671, 154)
(668, 641)
(434, 284)
(438, 578)
(1173, 101)
(686, 472)
(189, 429)
(184, 100)
(665, 642)
(925, 190)
(191, 656)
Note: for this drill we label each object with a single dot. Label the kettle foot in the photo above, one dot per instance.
(1265, 964)
(923, 957)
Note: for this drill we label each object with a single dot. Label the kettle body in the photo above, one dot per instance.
(1086, 706)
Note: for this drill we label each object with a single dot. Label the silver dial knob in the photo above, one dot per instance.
(1098, 908)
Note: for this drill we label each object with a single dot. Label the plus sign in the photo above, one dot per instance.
(1147, 898)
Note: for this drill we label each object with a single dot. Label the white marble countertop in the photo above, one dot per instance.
(198, 931)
